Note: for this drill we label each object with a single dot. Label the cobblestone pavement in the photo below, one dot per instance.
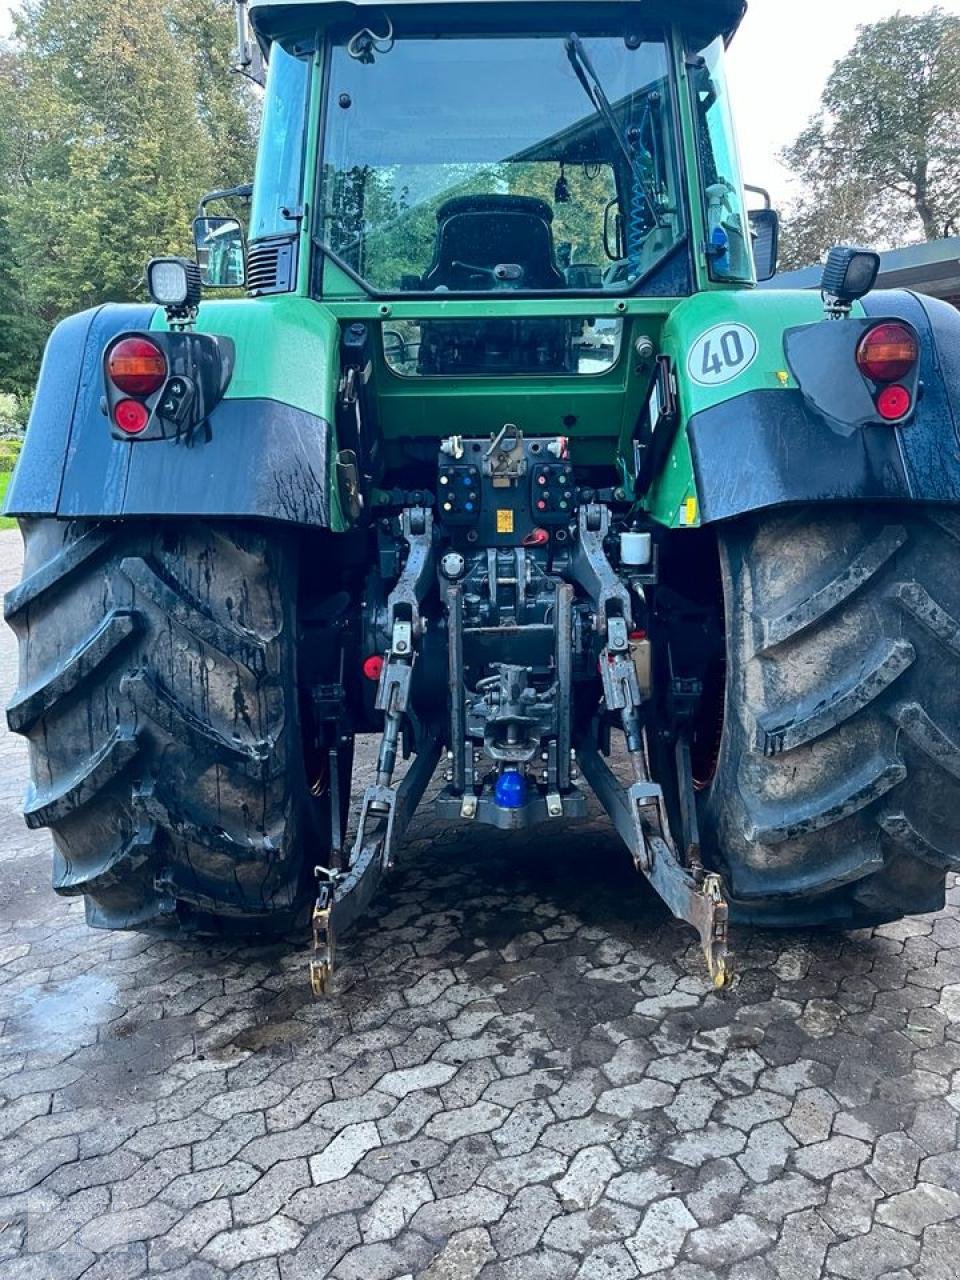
(524, 1074)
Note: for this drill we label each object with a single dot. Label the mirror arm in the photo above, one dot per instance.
(760, 191)
(242, 192)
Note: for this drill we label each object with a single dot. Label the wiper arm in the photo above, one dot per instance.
(593, 88)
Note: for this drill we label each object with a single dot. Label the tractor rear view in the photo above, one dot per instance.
(506, 460)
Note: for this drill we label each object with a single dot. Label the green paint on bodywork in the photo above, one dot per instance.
(767, 313)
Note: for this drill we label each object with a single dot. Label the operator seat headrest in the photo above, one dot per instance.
(485, 230)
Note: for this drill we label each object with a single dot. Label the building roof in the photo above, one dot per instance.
(932, 268)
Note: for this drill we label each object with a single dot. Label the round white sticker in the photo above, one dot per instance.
(722, 353)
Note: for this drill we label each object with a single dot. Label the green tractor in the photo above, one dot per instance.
(506, 459)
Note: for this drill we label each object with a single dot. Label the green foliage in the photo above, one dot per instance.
(880, 162)
(114, 119)
(9, 453)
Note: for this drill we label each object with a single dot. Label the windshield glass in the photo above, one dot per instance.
(472, 164)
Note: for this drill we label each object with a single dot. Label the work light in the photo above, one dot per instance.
(174, 283)
(849, 274)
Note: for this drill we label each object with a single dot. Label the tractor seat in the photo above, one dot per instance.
(486, 231)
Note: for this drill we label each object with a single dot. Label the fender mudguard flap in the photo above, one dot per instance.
(258, 458)
(769, 448)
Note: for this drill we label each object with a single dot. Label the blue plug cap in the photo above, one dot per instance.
(511, 790)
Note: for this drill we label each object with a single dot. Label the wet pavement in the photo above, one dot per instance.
(524, 1073)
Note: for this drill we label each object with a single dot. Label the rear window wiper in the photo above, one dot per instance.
(593, 88)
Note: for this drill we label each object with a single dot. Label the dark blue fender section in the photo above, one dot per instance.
(255, 458)
(770, 448)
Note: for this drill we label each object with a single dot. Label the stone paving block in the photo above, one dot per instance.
(894, 1163)
(939, 1252)
(126, 1262)
(510, 1173)
(395, 1206)
(801, 1248)
(193, 1188)
(386, 1260)
(478, 1207)
(585, 1229)
(835, 1155)
(524, 1222)
(185, 1239)
(786, 1195)
(271, 1193)
(482, 1117)
(544, 1264)
(351, 1194)
(850, 1203)
(656, 1244)
(712, 1142)
(609, 1262)
(923, 1206)
(341, 1155)
(47, 1231)
(872, 1255)
(522, 1129)
(68, 1262)
(126, 1225)
(741, 1236)
(586, 1179)
(277, 1235)
(767, 1151)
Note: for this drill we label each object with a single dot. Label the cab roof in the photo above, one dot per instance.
(703, 18)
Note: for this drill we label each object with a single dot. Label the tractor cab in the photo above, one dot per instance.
(518, 150)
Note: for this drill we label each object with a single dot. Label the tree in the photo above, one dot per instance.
(115, 119)
(880, 161)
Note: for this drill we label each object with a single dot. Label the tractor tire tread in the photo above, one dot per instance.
(836, 797)
(158, 660)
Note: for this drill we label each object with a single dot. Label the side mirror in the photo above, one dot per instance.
(765, 238)
(219, 246)
(613, 231)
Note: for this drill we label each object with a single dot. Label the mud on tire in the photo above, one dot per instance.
(157, 690)
(837, 790)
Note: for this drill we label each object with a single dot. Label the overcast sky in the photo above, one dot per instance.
(779, 63)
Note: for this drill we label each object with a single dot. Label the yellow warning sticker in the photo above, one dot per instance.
(690, 511)
(504, 520)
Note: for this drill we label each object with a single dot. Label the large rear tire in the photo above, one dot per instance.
(158, 691)
(836, 794)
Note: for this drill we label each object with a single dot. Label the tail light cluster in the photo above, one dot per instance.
(887, 354)
(138, 369)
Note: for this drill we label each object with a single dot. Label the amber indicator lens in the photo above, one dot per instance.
(136, 366)
(887, 352)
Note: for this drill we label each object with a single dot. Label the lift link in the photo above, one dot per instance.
(385, 811)
(637, 813)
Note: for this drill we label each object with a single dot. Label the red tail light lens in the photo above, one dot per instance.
(893, 403)
(130, 416)
(887, 352)
(137, 367)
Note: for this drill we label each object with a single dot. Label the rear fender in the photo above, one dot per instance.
(798, 444)
(263, 452)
